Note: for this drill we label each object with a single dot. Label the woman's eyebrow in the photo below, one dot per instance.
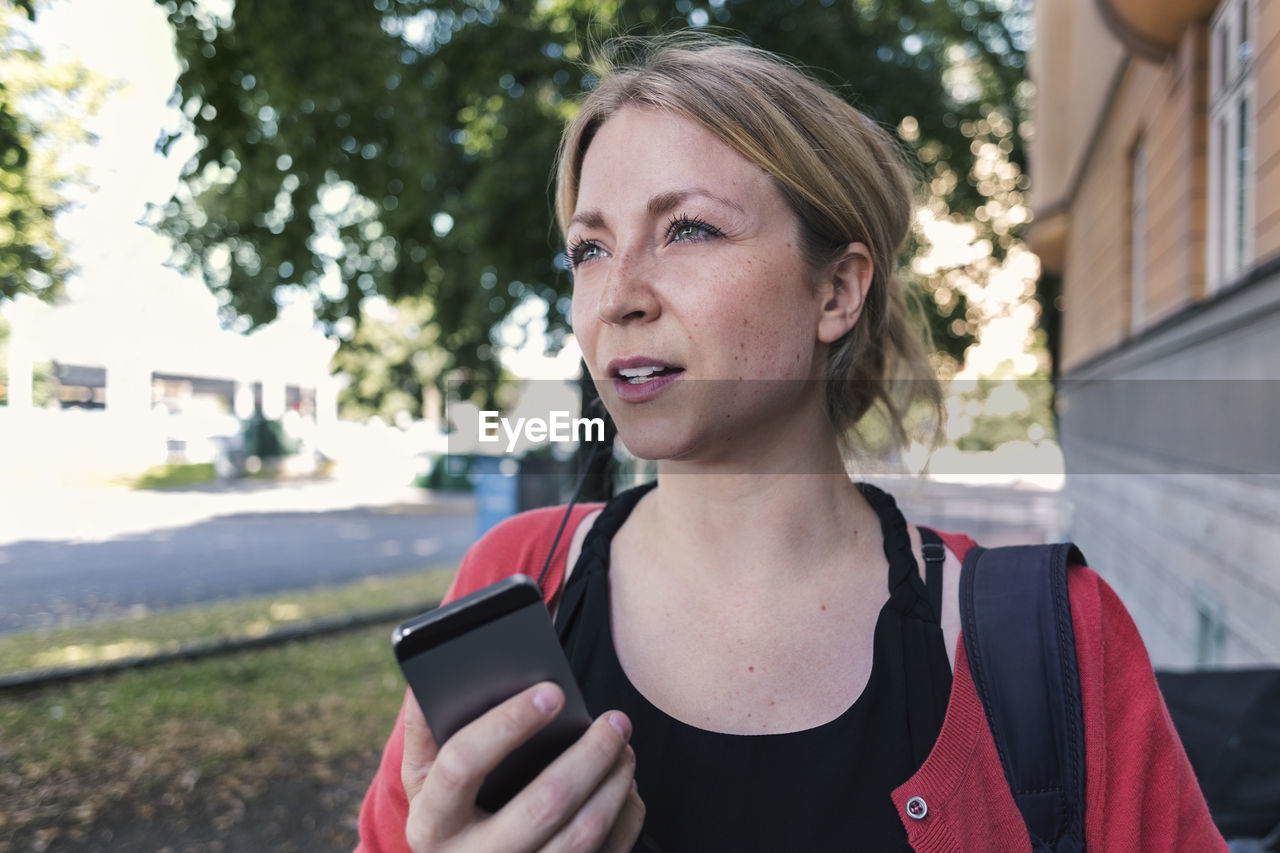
(659, 205)
(592, 218)
(664, 203)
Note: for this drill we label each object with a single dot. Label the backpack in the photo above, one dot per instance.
(1015, 619)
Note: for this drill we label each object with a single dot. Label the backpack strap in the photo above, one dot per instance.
(1016, 623)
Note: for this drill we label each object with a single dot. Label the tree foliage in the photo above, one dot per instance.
(403, 147)
(1005, 407)
(43, 106)
(390, 362)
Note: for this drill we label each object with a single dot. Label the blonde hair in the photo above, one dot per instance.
(841, 174)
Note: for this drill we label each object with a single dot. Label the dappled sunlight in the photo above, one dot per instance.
(148, 634)
(257, 628)
(84, 655)
(285, 611)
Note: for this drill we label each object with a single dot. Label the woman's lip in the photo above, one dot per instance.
(617, 364)
(629, 392)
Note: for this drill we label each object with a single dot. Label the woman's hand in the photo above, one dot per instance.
(585, 800)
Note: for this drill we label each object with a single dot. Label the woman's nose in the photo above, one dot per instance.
(628, 295)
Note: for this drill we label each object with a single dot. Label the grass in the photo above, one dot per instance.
(147, 633)
(207, 734)
(163, 476)
(212, 732)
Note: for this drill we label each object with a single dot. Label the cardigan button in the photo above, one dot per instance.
(917, 808)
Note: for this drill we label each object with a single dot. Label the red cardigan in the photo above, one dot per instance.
(1141, 794)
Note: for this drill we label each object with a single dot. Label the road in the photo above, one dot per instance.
(68, 556)
(71, 556)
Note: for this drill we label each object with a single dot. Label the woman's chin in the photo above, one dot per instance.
(657, 442)
(651, 448)
(706, 451)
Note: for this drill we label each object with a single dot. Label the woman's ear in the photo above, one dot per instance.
(843, 291)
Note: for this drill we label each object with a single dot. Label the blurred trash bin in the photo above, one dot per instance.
(505, 485)
(1229, 723)
(1256, 845)
(496, 490)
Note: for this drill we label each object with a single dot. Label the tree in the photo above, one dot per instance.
(391, 361)
(403, 147)
(42, 110)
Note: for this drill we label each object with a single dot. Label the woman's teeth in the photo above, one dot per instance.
(639, 375)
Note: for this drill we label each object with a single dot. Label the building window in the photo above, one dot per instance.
(1138, 236)
(1231, 110)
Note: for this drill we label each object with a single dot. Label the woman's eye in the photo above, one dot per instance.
(583, 251)
(684, 229)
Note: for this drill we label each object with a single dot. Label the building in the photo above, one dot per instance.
(1155, 171)
(141, 374)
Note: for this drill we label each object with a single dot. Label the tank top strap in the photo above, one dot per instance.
(907, 592)
(595, 548)
(922, 648)
(935, 555)
(594, 557)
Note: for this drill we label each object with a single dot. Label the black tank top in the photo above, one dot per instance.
(825, 788)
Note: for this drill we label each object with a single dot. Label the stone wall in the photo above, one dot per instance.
(1179, 509)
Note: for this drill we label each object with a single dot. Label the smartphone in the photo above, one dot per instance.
(472, 654)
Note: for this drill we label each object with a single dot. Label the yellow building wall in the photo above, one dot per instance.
(1164, 106)
(1176, 182)
(1073, 62)
(1267, 141)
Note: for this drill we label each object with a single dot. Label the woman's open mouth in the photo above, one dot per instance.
(641, 375)
(637, 380)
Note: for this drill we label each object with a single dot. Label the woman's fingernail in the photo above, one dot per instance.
(620, 722)
(545, 699)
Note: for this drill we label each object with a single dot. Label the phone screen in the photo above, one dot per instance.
(465, 658)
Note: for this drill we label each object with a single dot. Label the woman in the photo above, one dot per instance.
(755, 633)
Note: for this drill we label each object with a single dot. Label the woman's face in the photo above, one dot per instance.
(688, 273)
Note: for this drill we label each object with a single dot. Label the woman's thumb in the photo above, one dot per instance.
(419, 747)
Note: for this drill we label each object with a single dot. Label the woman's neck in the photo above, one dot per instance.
(756, 529)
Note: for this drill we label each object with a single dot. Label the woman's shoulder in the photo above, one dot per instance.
(1093, 602)
(519, 544)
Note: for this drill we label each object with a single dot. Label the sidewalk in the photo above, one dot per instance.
(30, 511)
(993, 515)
